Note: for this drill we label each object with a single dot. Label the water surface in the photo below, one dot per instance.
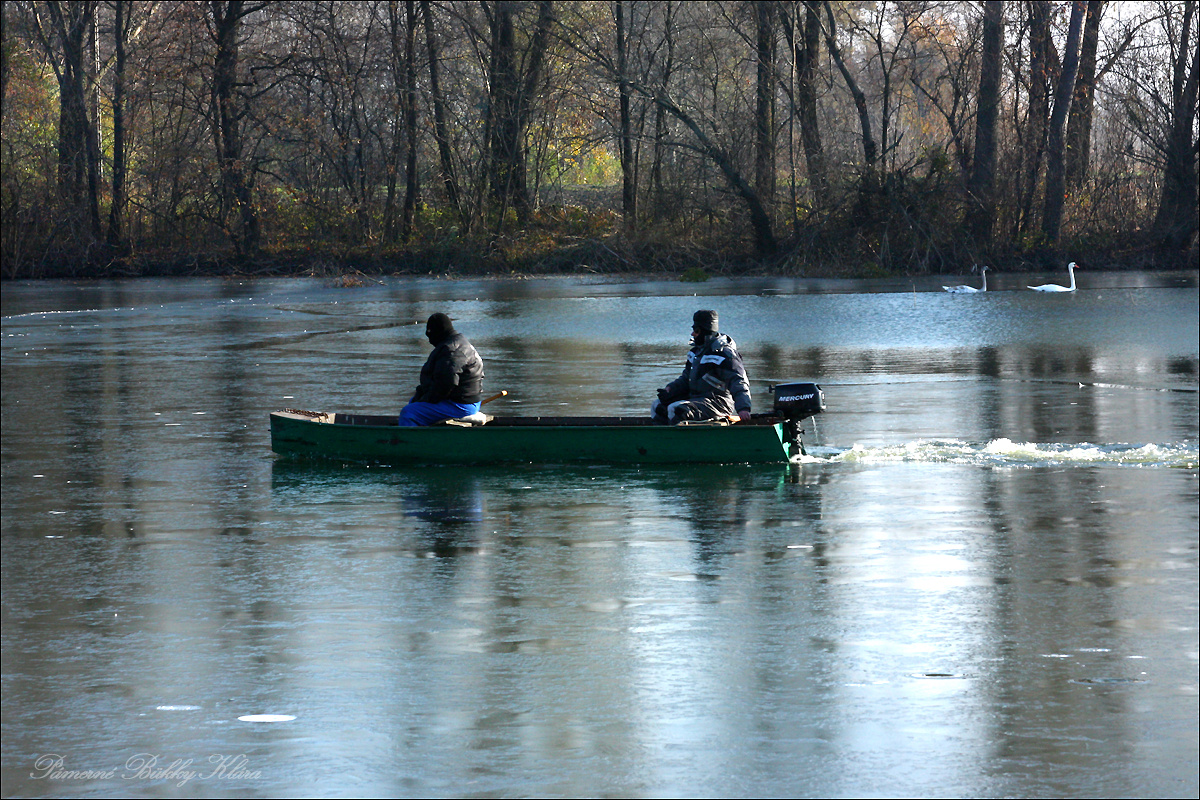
(981, 582)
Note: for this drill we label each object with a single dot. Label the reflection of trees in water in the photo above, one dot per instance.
(577, 376)
(774, 364)
(1023, 390)
(1183, 366)
(1055, 552)
(450, 508)
(717, 509)
(570, 376)
(580, 376)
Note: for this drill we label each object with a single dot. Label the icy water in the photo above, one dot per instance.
(982, 582)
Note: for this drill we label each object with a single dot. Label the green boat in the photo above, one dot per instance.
(765, 438)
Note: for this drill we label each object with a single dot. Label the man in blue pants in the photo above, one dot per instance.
(451, 379)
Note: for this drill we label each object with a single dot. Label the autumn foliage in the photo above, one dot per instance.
(799, 138)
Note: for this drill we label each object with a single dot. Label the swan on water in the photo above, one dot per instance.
(1054, 287)
(970, 289)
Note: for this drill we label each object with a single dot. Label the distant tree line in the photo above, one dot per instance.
(865, 138)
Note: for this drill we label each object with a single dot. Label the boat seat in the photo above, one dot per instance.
(469, 421)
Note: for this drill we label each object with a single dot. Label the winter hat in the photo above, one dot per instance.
(439, 327)
(705, 321)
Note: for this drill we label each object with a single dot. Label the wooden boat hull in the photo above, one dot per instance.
(620, 440)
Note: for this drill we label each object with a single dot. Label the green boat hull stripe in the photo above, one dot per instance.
(309, 435)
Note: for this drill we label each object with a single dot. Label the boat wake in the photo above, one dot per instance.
(1005, 452)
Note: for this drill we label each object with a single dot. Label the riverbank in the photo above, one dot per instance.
(596, 256)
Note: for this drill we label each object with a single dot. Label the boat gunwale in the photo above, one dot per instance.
(349, 420)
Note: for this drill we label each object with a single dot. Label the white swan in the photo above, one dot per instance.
(969, 289)
(1054, 287)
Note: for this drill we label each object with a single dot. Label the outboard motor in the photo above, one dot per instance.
(796, 402)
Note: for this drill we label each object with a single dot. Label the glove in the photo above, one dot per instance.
(664, 396)
(743, 415)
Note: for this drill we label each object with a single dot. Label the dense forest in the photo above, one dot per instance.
(176, 137)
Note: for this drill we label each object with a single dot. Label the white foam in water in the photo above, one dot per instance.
(1005, 452)
(266, 718)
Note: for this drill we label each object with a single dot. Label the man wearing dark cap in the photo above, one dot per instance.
(451, 379)
(713, 384)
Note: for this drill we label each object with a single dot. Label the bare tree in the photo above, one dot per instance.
(441, 134)
(804, 38)
(982, 183)
(122, 23)
(515, 75)
(665, 78)
(625, 124)
(1079, 123)
(64, 30)
(1043, 59)
(869, 147)
(1056, 183)
(230, 108)
(275, 124)
(943, 65)
(1176, 221)
(890, 31)
(402, 32)
(764, 96)
(4, 50)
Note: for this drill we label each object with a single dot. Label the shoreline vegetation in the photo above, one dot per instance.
(484, 138)
(352, 267)
(613, 256)
(590, 240)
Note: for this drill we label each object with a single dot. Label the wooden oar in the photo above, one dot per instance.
(502, 393)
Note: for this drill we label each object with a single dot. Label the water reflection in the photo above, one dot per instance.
(1003, 491)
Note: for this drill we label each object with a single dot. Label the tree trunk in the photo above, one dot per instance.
(660, 119)
(1056, 176)
(511, 96)
(807, 56)
(982, 208)
(1079, 123)
(628, 185)
(449, 179)
(236, 195)
(504, 151)
(392, 162)
(1041, 56)
(78, 183)
(760, 220)
(3, 57)
(764, 111)
(412, 183)
(529, 90)
(116, 212)
(1176, 222)
(870, 149)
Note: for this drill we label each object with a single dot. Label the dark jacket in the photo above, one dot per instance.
(713, 372)
(453, 371)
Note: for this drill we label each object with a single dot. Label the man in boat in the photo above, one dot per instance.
(713, 384)
(451, 379)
